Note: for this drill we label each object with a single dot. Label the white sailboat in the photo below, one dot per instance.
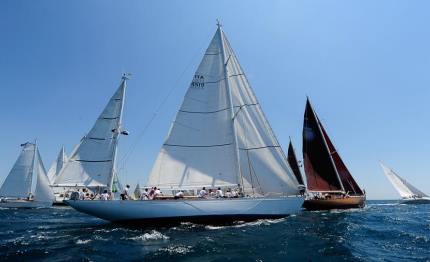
(27, 185)
(91, 165)
(409, 193)
(220, 138)
(56, 166)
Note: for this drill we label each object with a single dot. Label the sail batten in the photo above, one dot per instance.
(220, 136)
(92, 163)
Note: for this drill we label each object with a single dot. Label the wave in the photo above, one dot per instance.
(180, 249)
(153, 235)
(383, 204)
(82, 242)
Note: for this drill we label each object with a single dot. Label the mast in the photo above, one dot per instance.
(118, 130)
(227, 81)
(33, 163)
(325, 144)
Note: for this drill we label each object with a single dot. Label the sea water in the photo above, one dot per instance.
(382, 231)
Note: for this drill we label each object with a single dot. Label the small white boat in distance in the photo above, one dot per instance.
(409, 193)
(27, 184)
(219, 139)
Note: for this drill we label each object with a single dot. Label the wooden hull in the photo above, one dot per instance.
(337, 203)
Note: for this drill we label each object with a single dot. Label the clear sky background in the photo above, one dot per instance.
(364, 64)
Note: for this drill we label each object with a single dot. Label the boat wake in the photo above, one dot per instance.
(240, 224)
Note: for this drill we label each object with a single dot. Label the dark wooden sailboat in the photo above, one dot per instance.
(330, 185)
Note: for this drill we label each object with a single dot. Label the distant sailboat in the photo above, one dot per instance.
(294, 164)
(325, 171)
(409, 193)
(92, 163)
(27, 185)
(57, 165)
(220, 138)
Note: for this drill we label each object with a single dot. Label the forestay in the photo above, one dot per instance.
(91, 163)
(220, 136)
(405, 189)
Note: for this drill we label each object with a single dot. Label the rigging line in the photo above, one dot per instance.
(156, 112)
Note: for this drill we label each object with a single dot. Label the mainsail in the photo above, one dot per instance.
(405, 189)
(56, 166)
(92, 163)
(220, 136)
(27, 171)
(324, 168)
(292, 160)
(19, 180)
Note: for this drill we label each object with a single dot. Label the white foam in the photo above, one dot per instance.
(81, 242)
(177, 249)
(153, 235)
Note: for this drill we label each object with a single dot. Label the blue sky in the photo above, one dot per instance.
(364, 65)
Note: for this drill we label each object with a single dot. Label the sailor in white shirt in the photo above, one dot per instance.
(144, 195)
(180, 194)
(157, 192)
(81, 194)
(124, 195)
(104, 195)
(219, 193)
(202, 193)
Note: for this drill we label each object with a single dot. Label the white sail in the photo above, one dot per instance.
(405, 189)
(42, 192)
(264, 166)
(199, 150)
(209, 144)
(91, 164)
(19, 180)
(56, 166)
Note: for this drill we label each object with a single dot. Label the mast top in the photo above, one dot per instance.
(126, 76)
(218, 23)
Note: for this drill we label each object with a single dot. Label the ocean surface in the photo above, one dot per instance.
(383, 231)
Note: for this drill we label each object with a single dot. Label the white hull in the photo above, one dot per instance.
(424, 200)
(198, 210)
(24, 204)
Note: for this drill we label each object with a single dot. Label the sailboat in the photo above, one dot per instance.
(294, 164)
(56, 166)
(219, 139)
(27, 185)
(91, 165)
(409, 193)
(330, 185)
